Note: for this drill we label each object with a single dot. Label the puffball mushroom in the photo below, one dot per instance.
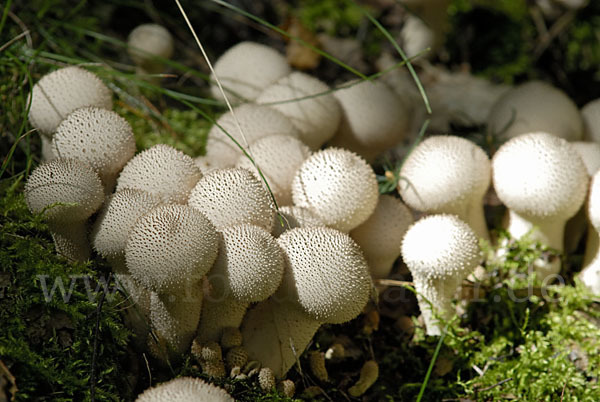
(171, 247)
(163, 171)
(326, 280)
(231, 197)
(440, 251)
(68, 192)
(521, 110)
(99, 137)
(450, 175)
(374, 119)
(148, 42)
(338, 186)
(248, 269)
(543, 182)
(317, 117)
(590, 113)
(246, 69)
(185, 389)
(380, 236)
(61, 92)
(256, 122)
(278, 157)
(590, 274)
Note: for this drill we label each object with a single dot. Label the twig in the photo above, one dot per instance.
(393, 282)
(13, 40)
(495, 385)
(559, 26)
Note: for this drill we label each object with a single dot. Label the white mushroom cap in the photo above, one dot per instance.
(185, 389)
(248, 269)
(163, 171)
(231, 197)
(99, 137)
(440, 251)
(278, 157)
(117, 218)
(61, 92)
(380, 236)
(337, 185)
(256, 121)
(170, 247)
(246, 69)
(65, 181)
(317, 118)
(543, 181)
(146, 41)
(590, 155)
(249, 266)
(326, 273)
(532, 107)
(590, 274)
(447, 174)
(374, 119)
(591, 120)
(294, 217)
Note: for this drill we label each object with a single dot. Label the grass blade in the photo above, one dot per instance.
(432, 364)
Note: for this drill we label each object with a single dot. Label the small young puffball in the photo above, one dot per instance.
(147, 42)
(533, 107)
(440, 251)
(185, 389)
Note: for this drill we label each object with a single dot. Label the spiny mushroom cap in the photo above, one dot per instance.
(149, 40)
(294, 217)
(442, 172)
(66, 181)
(373, 118)
(169, 246)
(231, 197)
(539, 175)
(97, 136)
(591, 120)
(590, 155)
(163, 171)
(317, 117)
(278, 157)
(61, 92)
(185, 389)
(256, 121)
(246, 69)
(535, 106)
(440, 247)
(249, 266)
(380, 236)
(337, 185)
(116, 219)
(326, 273)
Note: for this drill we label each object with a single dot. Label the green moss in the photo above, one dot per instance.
(47, 338)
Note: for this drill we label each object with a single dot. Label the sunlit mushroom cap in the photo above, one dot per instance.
(97, 136)
(67, 190)
(163, 171)
(61, 92)
(339, 186)
(246, 69)
(185, 389)
(234, 196)
(539, 175)
(170, 247)
(326, 273)
(317, 115)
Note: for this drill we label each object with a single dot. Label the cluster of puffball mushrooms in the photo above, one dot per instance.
(215, 269)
